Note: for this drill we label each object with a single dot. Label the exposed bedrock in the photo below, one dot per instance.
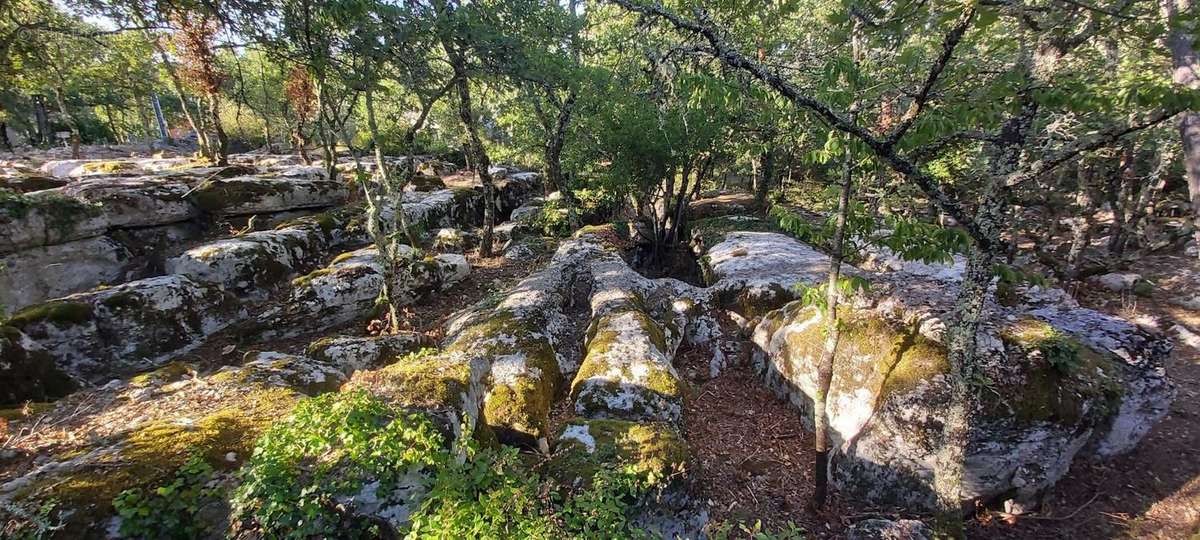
(253, 263)
(28, 371)
(263, 194)
(128, 328)
(147, 428)
(527, 339)
(1057, 381)
(349, 287)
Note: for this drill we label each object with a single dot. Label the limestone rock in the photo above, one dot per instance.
(425, 182)
(886, 529)
(1117, 282)
(37, 274)
(258, 194)
(347, 289)
(132, 327)
(252, 263)
(1062, 382)
(352, 354)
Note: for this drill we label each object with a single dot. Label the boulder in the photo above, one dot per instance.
(145, 433)
(627, 371)
(425, 182)
(132, 327)
(358, 353)
(1117, 282)
(525, 338)
(38, 274)
(1056, 383)
(261, 194)
(254, 263)
(89, 208)
(348, 288)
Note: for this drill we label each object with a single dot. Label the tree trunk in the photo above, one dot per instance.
(201, 137)
(765, 176)
(1081, 224)
(392, 187)
(1186, 73)
(479, 157)
(221, 152)
(7, 144)
(832, 336)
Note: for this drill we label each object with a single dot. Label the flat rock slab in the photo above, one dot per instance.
(129, 328)
(38, 274)
(257, 194)
(90, 208)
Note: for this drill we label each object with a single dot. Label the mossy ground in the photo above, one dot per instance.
(60, 312)
(151, 453)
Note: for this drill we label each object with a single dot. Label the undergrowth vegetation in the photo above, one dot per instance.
(350, 465)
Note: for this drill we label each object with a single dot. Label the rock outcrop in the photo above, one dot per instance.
(1057, 382)
(262, 194)
(130, 328)
(349, 287)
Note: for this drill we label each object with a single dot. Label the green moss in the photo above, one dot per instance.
(108, 167)
(304, 280)
(1065, 381)
(652, 450)
(433, 382)
(174, 371)
(900, 360)
(1143, 288)
(62, 312)
(121, 300)
(343, 257)
(152, 453)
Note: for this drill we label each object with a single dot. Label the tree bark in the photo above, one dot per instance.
(221, 152)
(479, 158)
(1081, 224)
(832, 336)
(1186, 64)
(765, 176)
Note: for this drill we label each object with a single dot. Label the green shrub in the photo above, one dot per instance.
(329, 449)
(168, 511)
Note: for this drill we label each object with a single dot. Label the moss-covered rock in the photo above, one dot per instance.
(252, 264)
(129, 328)
(279, 370)
(627, 372)
(1041, 395)
(349, 289)
(28, 371)
(260, 194)
(352, 354)
(654, 451)
(39, 274)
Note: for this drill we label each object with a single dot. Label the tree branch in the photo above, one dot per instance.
(953, 38)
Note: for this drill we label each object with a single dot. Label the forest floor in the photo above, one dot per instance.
(1154, 491)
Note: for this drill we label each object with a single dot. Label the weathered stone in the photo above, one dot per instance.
(132, 327)
(886, 529)
(252, 263)
(28, 371)
(1059, 382)
(352, 354)
(583, 447)
(449, 387)
(279, 370)
(37, 274)
(260, 194)
(348, 288)
(1116, 282)
(425, 182)
(23, 183)
(216, 418)
(525, 338)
